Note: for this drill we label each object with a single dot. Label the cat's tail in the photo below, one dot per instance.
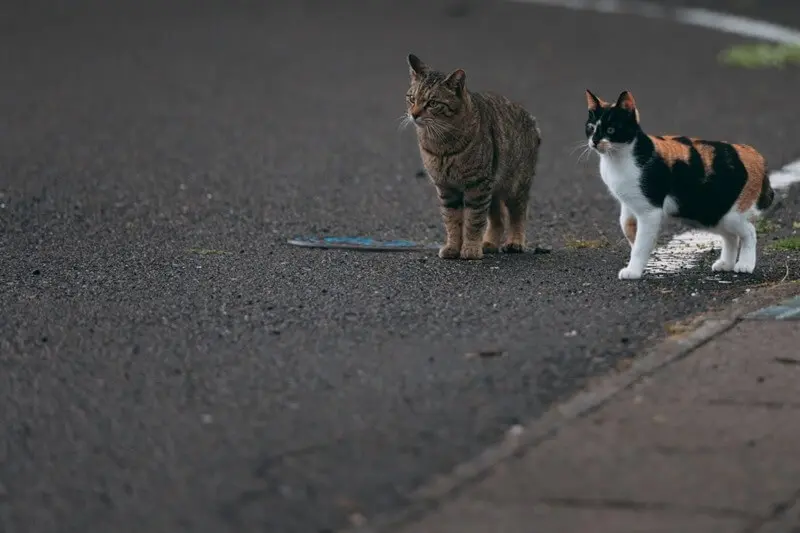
(767, 193)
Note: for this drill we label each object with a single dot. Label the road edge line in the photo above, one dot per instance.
(441, 488)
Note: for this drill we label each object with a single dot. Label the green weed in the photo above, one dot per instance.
(761, 55)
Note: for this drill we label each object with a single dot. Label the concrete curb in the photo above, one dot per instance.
(441, 488)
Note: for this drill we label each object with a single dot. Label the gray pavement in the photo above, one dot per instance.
(147, 387)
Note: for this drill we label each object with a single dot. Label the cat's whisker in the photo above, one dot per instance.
(584, 155)
(578, 145)
(572, 151)
(404, 121)
(438, 130)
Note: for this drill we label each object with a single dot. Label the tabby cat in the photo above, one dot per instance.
(711, 184)
(480, 150)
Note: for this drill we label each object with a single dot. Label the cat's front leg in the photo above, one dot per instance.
(477, 201)
(648, 226)
(451, 204)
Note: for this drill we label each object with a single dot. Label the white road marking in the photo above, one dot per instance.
(693, 16)
(682, 252)
(685, 250)
(784, 177)
(747, 27)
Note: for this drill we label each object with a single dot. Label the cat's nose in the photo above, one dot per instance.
(416, 111)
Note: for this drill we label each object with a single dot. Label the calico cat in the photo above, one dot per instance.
(715, 185)
(480, 150)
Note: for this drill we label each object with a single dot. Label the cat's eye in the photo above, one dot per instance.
(590, 127)
(410, 98)
(609, 130)
(434, 104)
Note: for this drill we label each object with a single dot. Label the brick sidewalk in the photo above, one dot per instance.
(710, 443)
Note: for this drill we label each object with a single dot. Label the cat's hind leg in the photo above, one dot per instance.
(737, 223)
(730, 251)
(627, 221)
(494, 232)
(517, 218)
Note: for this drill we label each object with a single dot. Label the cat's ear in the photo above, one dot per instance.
(416, 68)
(456, 81)
(626, 101)
(593, 102)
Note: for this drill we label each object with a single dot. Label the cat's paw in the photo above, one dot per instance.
(513, 248)
(721, 266)
(744, 267)
(472, 252)
(448, 251)
(490, 248)
(630, 273)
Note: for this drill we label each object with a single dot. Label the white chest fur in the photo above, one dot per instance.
(622, 176)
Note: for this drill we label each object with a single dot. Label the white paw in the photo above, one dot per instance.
(721, 266)
(629, 273)
(744, 267)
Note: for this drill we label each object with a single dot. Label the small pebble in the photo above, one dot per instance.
(358, 519)
(515, 430)
(486, 354)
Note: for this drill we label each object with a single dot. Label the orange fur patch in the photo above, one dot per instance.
(706, 154)
(754, 164)
(671, 151)
(756, 169)
(630, 229)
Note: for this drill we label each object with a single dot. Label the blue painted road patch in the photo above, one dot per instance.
(362, 243)
(786, 310)
(369, 244)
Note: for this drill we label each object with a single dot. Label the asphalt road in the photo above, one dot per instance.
(148, 387)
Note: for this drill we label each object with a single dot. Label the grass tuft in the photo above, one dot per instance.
(764, 225)
(761, 55)
(789, 244)
(581, 243)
